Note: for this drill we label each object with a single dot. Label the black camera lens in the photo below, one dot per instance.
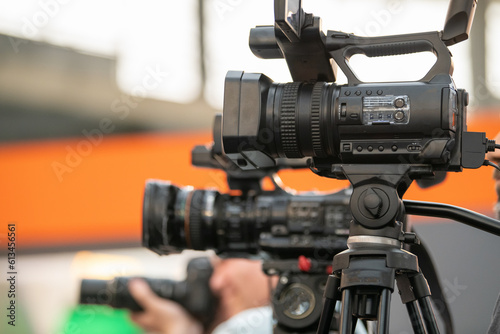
(303, 121)
(177, 218)
(287, 225)
(194, 293)
(93, 291)
(157, 214)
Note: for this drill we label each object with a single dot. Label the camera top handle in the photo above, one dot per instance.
(297, 37)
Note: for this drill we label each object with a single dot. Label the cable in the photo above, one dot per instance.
(491, 146)
(489, 163)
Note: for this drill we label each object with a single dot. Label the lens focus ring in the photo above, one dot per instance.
(315, 120)
(288, 126)
(194, 237)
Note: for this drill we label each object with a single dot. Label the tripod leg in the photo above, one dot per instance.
(428, 315)
(415, 317)
(414, 288)
(345, 326)
(383, 312)
(354, 322)
(331, 296)
(423, 293)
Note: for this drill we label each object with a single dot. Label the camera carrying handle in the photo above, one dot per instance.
(289, 41)
(342, 47)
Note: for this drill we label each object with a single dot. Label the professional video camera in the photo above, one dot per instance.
(379, 136)
(193, 293)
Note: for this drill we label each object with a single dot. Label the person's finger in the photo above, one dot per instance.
(160, 315)
(143, 294)
(143, 320)
(218, 280)
(214, 260)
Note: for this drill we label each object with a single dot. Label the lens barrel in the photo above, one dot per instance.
(115, 292)
(91, 291)
(286, 225)
(300, 113)
(177, 218)
(194, 294)
(157, 214)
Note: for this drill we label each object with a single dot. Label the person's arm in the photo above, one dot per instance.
(161, 315)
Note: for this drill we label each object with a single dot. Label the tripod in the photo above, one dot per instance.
(364, 275)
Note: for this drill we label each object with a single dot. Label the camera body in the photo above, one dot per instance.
(393, 123)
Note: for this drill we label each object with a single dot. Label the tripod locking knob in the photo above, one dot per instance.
(373, 202)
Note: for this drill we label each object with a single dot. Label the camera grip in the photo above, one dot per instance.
(394, 49)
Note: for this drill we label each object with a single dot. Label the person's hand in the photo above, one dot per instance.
(161, 315)
(240, 284)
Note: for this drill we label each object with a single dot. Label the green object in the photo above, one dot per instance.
(99, 319)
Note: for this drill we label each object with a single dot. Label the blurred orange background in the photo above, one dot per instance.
(95, 198)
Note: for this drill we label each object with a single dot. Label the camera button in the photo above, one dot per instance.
(399, 103)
